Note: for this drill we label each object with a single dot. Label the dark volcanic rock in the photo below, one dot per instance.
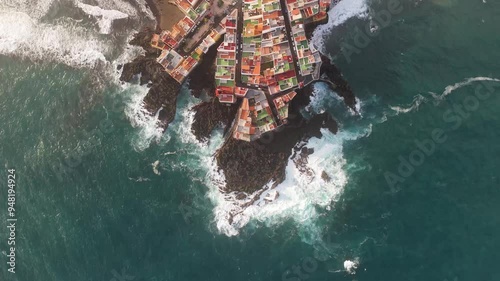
(210, 114)
(325, 177)
(332, 75)
(143, 39)
(202, 78)
(310, 27)
(249, 166)
(162, 94)
(163, 91)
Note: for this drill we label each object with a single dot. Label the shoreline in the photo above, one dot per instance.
(165, 18)
(234, 156)
(269, 156)
(156, 12)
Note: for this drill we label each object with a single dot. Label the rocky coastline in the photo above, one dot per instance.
(163, 90)
(247, 166)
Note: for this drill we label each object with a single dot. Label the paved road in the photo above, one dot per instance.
(288, 27)
(239, 40)
(239, 51)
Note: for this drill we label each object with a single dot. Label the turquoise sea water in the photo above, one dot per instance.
(91, 207)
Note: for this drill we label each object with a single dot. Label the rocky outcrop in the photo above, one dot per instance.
(248, 166)
(163, 89)
(210, 114)
(143, 39)
(332, 75)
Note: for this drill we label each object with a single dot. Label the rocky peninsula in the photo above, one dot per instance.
(247, 166)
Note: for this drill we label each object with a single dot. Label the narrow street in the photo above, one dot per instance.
(239, 41)
(288, 27)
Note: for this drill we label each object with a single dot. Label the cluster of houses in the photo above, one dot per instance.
(254, 117)
(264, 56)
(281, 103)
(176, 62)
(272, 58)
(265, 53)
(225, 73)
(302, 12)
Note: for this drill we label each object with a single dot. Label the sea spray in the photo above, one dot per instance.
(28, 30)
(418, 99)
(343, 11)
(148, 125)
(71, 44)
(105, 18)
(298, 195)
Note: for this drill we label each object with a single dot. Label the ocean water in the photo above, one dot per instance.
(102, 194)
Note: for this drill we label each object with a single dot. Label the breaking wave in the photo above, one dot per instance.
(316, 184)
(417, 101)
(70, 44)
(104, 17)
(148, 129)
(449, 89)
(28, 31)
(343, 11)
(299, 195)
(81, 35)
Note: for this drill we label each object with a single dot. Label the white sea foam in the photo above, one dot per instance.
(120, 5)
(351, 266)
(322, 97)
(183, 130)
(155, 167)
(27, 31)
(299, 194)
(36, 9)
(104, 17)
(145, 9)
(449, 89)
(147, 125)
(340, 13)
(139, 179)
(417, 101)
(23, 36)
